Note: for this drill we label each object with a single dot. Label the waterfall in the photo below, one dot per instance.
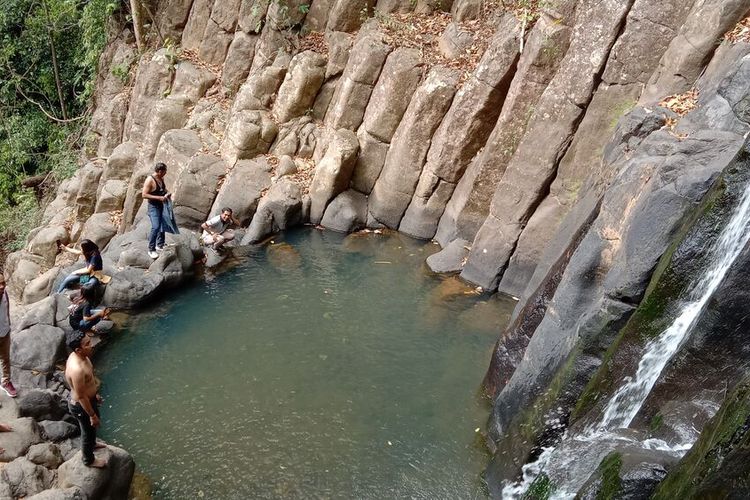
(628, 399)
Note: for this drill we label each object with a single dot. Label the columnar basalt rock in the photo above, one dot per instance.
(249, 133)
(690, 51)
(406, 156)
(353, 91)
(300, 86)
(242, 189)
(346, 15)
(333, 173)
(239, 60)
(544, 49)
(153, 81)
(219, 31)
(551, 128)
(346, 213)
(649, 27)
(171, 18)
(398, 81)
(280, 209)
(195, 189)
(463, 131)
(251, 16)
(192, 35)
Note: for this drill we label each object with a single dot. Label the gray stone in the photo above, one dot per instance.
(112, 481)
(58, 494)
(333, 173)
(455, 40)
(249, 133)
(287, 15)
(131, 287)
(99, 228)
(346, 15)
(85, 200)
(45, 454)
(403, 164)
(152, 83)
(451, 258)
(239, 59)
(251, 15)
(191, 82)
(25, 478)
(286, 166)
(352, 94)
(167, 114)
(280, 209)
(44, 243)
(171, 18)
(324, 98)
(41, 313)
(38, 348)
(301, 84)
(689, 51)
(39, 287)
(257, 92)
(57, 430)
(466, 10)
(16, 443)
(121, 162)
(392, 93)
(195, 189)
(111, 196)
(464, 130)
(346, 213)
(339, 46)
(23, 267)
(242, 189)
(42, 404)
(370, 161)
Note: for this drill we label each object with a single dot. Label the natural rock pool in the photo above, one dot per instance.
(322, 366)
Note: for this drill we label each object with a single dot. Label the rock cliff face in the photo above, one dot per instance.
(529, 142)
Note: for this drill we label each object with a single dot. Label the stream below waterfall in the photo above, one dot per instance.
(321, 366)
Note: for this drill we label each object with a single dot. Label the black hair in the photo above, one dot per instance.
(88, 293)
(159, 167)
(88, 248)
(226, 209)
(74, 339)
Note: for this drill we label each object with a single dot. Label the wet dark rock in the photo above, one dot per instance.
(110, 482)
(58, 430)
(42, 405)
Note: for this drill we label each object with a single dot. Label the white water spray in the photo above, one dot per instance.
(627, 401)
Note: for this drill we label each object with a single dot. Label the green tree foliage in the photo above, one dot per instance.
(49, 52)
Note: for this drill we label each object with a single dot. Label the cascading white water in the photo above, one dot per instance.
(627, 401)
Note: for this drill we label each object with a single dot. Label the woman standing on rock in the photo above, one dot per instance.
(88, 276)
(155, 191)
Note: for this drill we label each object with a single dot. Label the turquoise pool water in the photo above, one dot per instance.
(321, 366)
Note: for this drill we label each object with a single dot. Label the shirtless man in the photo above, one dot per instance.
(84, 395)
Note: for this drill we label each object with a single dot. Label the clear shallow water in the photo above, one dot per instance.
(329, 368)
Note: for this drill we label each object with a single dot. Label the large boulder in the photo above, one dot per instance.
(45, 454)
(121, 163)
(38, 348)
(196, 188)
(191, 82)
(42, 404)
(346, 213)
(167, 114)
(23, 267)
(38, 288)
(279, 209)
(249, 134)
(111, 196)
(333, 173)
(44, 243)
(242, 189)
(152, 83)
(339, 46)
(15, 444)
(112, 481)
(25, 478)
(239, 59)
(99, 228)
(301, 84)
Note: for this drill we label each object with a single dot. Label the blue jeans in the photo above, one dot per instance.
(76, 278)
(156, 237)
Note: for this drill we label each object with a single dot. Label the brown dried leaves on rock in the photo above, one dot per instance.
(681, 104)
(305, 172)
(314, 41)
(740, 33)
(423, 32)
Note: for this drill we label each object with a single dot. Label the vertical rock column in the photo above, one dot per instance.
(649, 27)
(552, 126)
(390, 98)
(463, 131)
(406, 156)
(468, 208)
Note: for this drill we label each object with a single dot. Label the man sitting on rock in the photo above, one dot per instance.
(216, 230)
(5, 384)
(84, 395)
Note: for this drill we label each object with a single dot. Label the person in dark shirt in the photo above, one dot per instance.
(155, 192)
(89, 276)
(83, 316)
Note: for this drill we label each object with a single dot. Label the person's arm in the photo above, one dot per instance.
(207, 226)
(236, 221)
(69, 249)
(78, 383)
(93, 315)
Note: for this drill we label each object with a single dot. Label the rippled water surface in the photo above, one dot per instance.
(320, 367)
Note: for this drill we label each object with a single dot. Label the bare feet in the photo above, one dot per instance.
(5, 428)
(99, 463)
(99, 445)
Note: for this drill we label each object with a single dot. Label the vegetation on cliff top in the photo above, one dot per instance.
(48, 57)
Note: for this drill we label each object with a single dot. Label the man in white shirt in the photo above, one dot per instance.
(5, 384)
(216, 230)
